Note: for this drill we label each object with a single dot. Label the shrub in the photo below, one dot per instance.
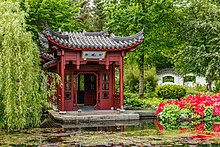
(171, 91)
(135, 102)
(128, 95)
(195, 90)
(150, 95)
(208, 113)
(152, 103)
(188, 113)
(217, 86)
(170, 113)
(199, 106)
(150, 80)
(131, 78)
(133, 99)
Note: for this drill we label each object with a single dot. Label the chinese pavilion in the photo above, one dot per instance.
(86, 63)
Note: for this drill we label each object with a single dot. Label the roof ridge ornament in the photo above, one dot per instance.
(43, 40)
(137, 36)
(104, 33)
(112, 35)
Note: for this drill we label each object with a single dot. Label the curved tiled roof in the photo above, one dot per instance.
(92, 40)
(45, 55)
(46, 65)
(43, 41)
(167, 71)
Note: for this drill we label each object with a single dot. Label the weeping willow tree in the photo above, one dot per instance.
(22, 83)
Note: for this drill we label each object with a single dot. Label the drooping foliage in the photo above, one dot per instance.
(22, 84)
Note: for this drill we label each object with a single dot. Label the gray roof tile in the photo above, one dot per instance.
(45, 55)
(92, 40)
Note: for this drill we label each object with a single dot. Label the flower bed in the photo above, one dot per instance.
(199, 106)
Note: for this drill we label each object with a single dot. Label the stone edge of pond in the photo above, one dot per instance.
(99, 116)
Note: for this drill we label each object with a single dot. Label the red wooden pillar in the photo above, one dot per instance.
(62, 79)
(58, 87)
(121, 82)
(113, 78)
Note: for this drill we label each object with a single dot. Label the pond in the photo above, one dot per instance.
(135, 133)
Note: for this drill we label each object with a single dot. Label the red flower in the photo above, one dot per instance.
(160, 127)
(216, 127)
(216, 110)
(200, 127)
(160, 108)
(197, 103)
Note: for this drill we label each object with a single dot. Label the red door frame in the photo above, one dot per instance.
(79, 73)
(69, 103)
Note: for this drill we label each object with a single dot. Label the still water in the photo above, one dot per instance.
(133, 133)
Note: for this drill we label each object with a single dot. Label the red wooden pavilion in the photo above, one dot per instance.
(87, 63)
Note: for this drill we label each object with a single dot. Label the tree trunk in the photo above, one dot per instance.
(209, 85)
(141, 81)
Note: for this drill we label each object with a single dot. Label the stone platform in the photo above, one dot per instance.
(75, 117)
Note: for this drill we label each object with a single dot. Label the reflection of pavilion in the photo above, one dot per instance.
(110, 126)
(86, 63)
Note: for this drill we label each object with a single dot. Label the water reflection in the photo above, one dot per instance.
(132, 133)
(190, 125)
(197, 129)
(112, 126)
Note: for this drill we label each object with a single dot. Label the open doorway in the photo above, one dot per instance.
(86, 89)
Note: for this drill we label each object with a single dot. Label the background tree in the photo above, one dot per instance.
(200, 32)
(22, 84)
(99, 15)
(63, 14)
(128, 17)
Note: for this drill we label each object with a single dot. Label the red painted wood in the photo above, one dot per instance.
(90, 90)
(121, 83)
(75, 90)
(92, 99)
(68, 103)
(106, 102)
(116, 101)
(78, 61)
(113, 78)
(62, 79)
(73, 63)
(58, 88)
